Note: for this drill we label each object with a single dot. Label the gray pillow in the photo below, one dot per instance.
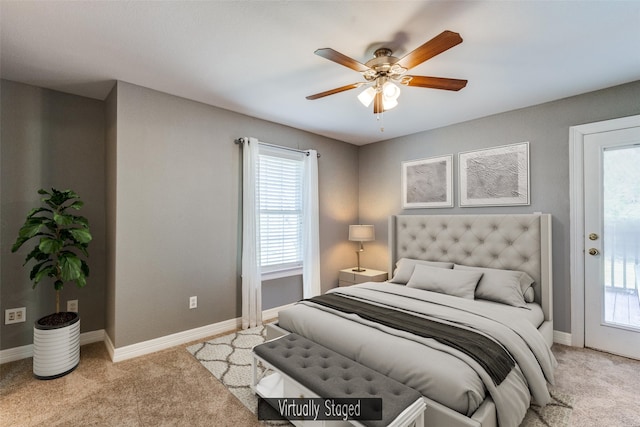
(451, 282)
(504, 286)
(404, 268)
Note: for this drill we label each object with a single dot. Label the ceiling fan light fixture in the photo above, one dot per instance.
(390, 91)
(384, 68)
(388, 103)
(396, 70)
(366, 96)
(390, 94)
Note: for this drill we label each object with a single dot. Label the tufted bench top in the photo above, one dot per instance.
(331, 375)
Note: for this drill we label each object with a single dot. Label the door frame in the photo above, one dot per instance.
(576, 214)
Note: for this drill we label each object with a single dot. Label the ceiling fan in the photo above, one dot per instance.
(384, 69)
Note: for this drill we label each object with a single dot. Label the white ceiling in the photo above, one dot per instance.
(256, 57)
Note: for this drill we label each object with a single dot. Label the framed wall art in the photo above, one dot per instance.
(427, 183)
(497, 176)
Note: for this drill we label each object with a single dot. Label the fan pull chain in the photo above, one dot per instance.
(380, 119)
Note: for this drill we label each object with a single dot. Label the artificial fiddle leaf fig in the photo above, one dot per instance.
(63, 219)
(50, 246)
(70, 267)
(77, 204)
(60, 240)
(81, 235)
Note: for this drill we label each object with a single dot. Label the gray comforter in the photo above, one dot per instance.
(439, 372)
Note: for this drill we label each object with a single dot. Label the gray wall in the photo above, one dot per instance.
(49, 139)
(160, 176)
(175, 189)
(154, 168)
(545, 126)
(111, 135)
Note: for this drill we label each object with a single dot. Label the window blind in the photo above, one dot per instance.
(280, 203)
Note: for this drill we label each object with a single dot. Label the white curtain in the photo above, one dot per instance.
(311, 230)
(251, 277)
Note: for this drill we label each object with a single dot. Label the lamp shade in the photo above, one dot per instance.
(389, 90)
(366, 96)
(390, 94)
(388, 103)
(361, 233)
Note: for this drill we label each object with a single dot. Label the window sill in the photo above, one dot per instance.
(278, 274)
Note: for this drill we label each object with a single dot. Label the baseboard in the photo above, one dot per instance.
(151, 346)
(162, 343)
(272, 313)
(145, 347)
(16, 353)
(563, 338)
(26, 351)
(109, 345)
(93, 336)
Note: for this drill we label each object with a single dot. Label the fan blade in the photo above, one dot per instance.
(377, 104)
(433, 82)
(334, 91)
(443, 41)
(335, 56)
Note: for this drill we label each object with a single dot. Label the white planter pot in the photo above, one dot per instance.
(56, 350)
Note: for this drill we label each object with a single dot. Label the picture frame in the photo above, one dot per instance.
(497, 176)
(428, 183)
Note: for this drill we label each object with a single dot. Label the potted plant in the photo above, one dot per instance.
(60, 239)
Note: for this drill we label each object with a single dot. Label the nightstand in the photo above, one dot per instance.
(348, 277)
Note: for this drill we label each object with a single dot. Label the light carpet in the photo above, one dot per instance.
(228, 358)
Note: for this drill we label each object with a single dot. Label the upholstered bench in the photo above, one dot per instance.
(305, 369)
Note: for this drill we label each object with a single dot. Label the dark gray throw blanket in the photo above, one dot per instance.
(488, 353)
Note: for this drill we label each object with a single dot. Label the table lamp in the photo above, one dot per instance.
(361, 233)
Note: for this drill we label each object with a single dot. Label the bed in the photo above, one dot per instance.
(466, 378)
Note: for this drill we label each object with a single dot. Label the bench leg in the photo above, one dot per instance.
(254, 373)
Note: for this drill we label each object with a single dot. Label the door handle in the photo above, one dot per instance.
(594, 251)
(593, 236)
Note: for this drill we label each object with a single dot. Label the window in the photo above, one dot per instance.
(280, 181)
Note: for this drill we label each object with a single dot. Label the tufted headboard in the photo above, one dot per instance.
(512, 242)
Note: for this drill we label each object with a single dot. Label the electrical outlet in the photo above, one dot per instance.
(72, 305)
(15, 315)
(193, 302)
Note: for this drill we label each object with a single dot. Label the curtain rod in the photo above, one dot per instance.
(240, 141)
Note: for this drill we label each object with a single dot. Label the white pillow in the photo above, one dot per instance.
(451, 282)
(529, 294)
(504, 286)
(405, 266)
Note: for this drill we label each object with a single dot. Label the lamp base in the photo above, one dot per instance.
(358, 269)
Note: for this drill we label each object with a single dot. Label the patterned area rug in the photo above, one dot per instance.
(228, 358)
(557, 413)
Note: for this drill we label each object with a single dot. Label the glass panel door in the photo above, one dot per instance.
(621, 245)
(612, 241)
